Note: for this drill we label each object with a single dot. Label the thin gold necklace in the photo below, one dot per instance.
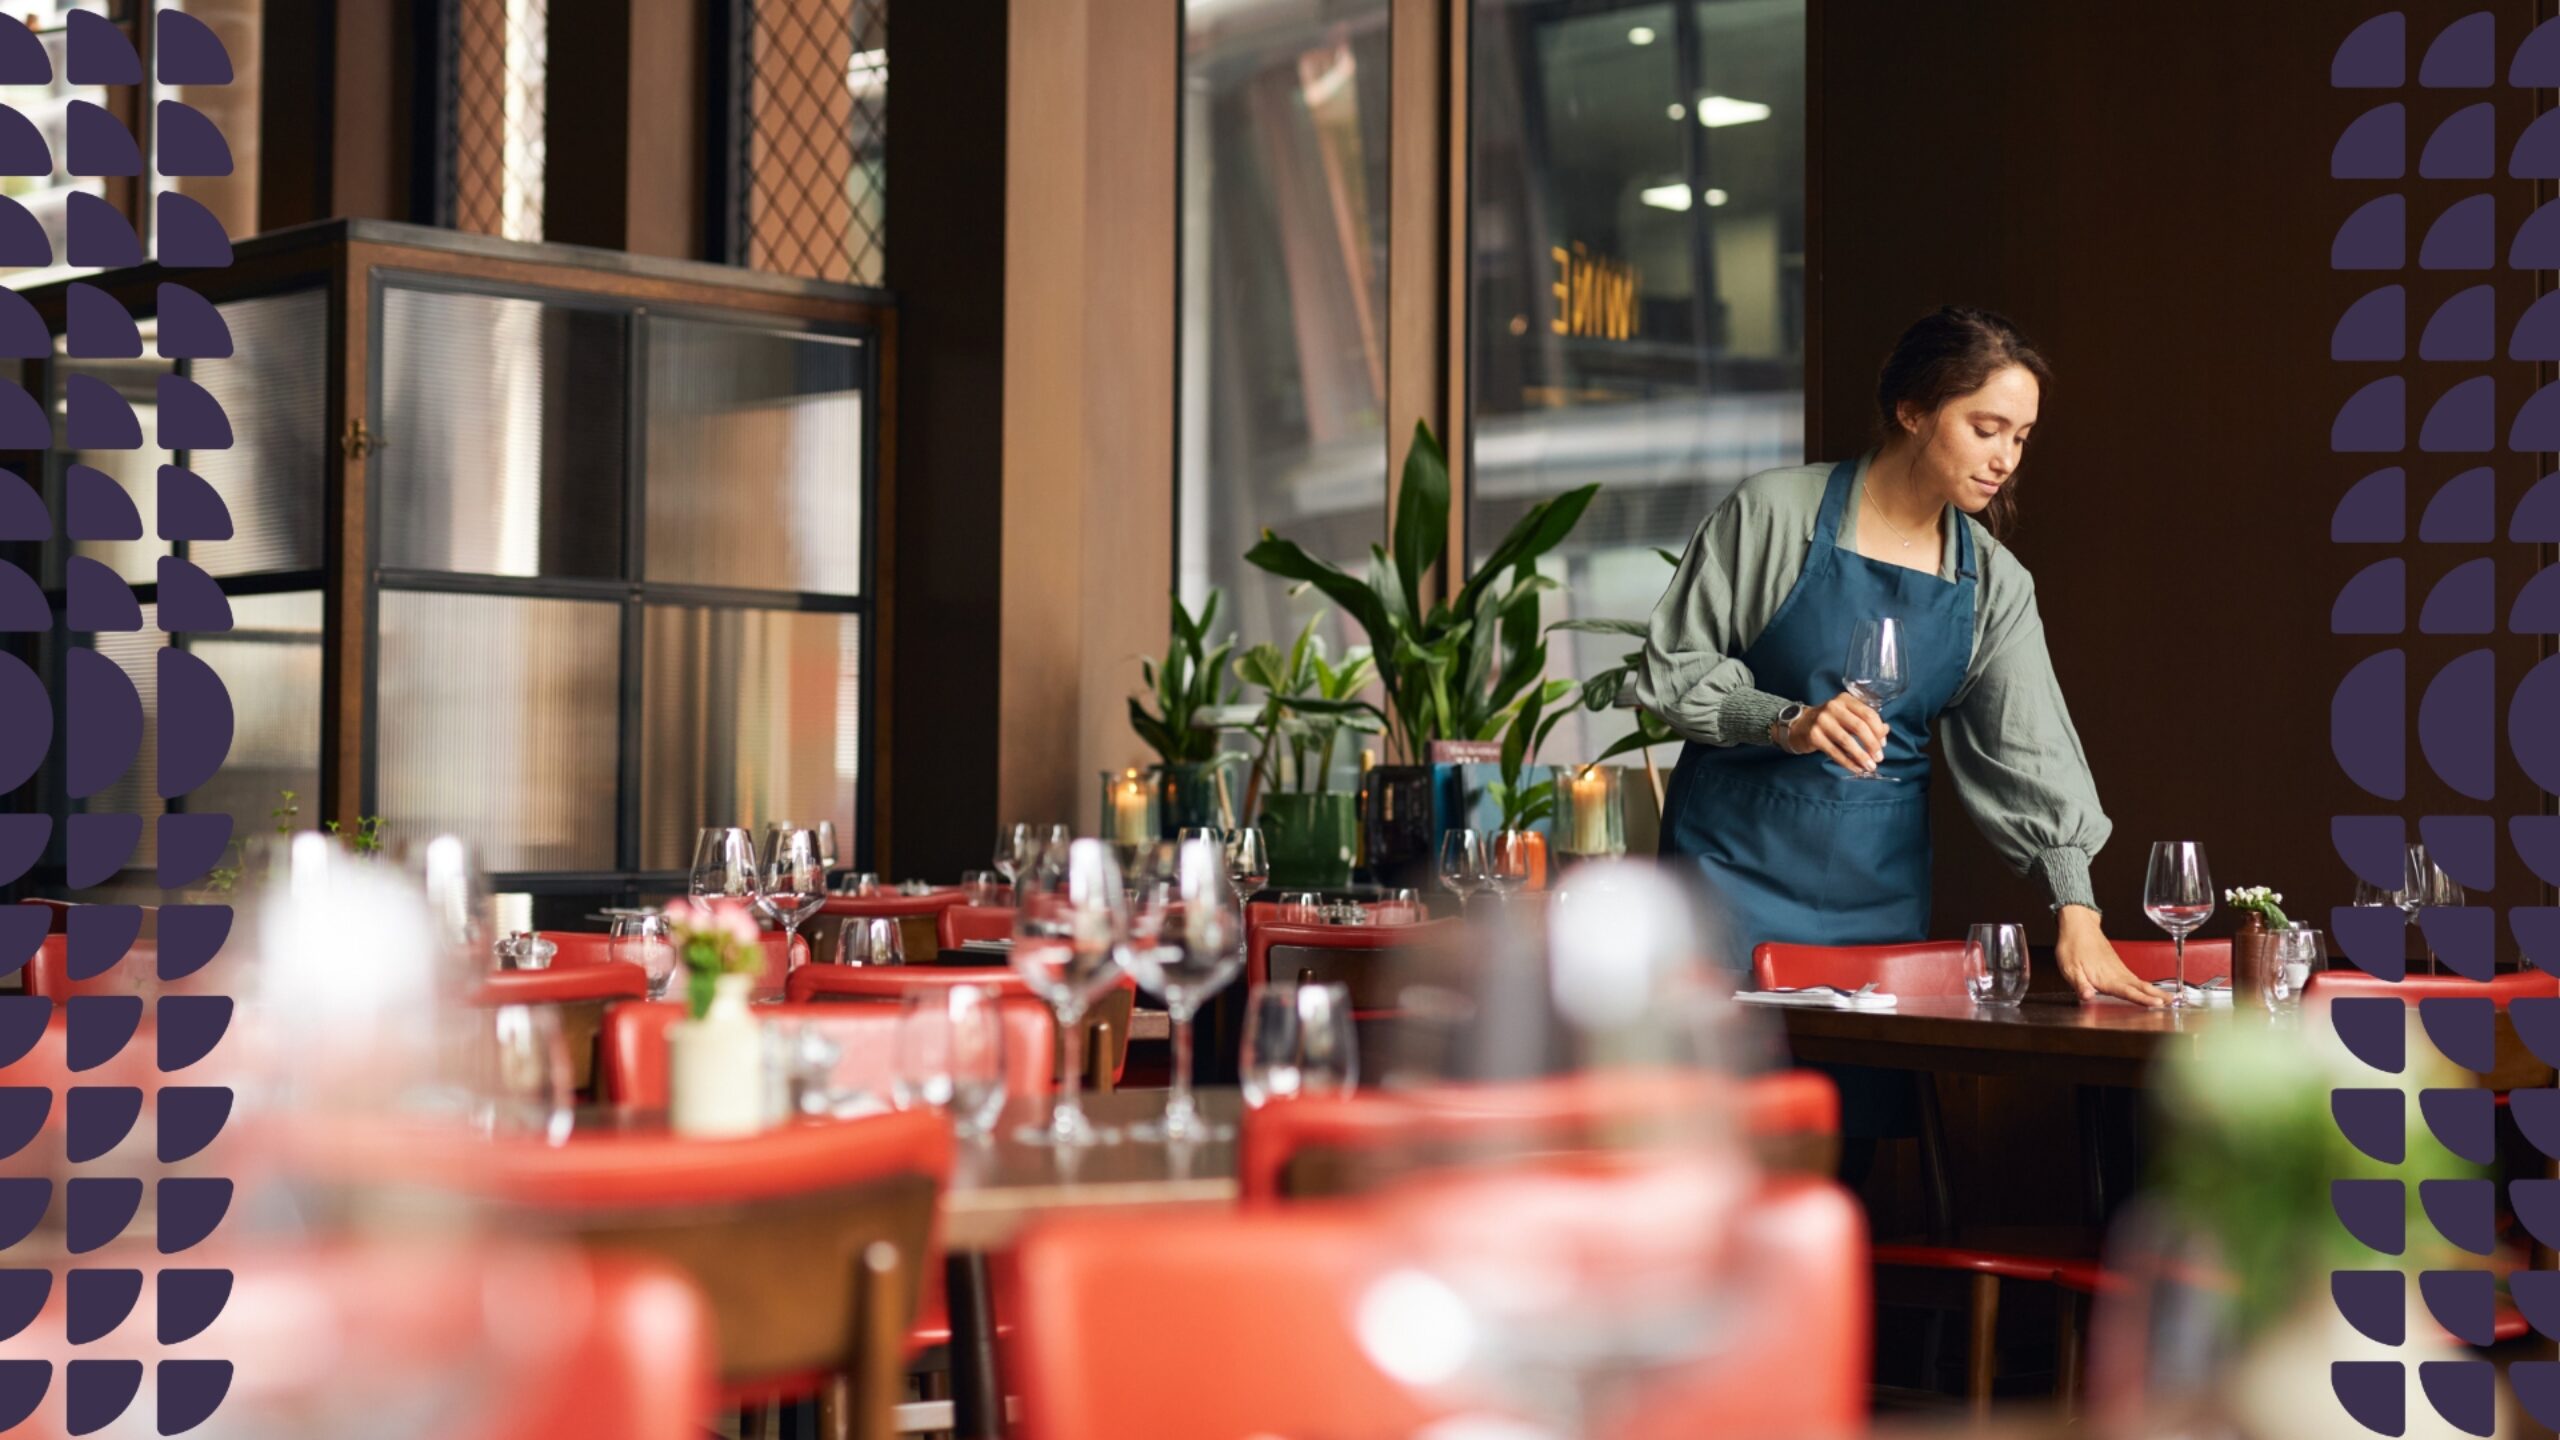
(1869, 495)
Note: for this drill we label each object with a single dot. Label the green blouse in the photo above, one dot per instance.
(2005, 738)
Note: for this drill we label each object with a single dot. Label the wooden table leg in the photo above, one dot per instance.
(977, 1389)
(1982, 1356)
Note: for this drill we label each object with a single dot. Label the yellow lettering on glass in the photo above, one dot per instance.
(1595, 296)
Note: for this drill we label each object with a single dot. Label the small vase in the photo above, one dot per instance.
(2249, 948)
(1311, 839)
(715, 1066)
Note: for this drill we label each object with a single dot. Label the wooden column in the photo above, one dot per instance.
(1426, 243)
(336, 110)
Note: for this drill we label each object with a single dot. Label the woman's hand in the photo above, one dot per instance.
(1843, 727)
(2092, 965)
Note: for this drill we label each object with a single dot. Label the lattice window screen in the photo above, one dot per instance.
(813, 118)
(501, 64)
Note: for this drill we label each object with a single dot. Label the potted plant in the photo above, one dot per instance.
(1190, 687)
(1528, 802)
(1310, 830)
(2261, 915)
(715, 1059)
(1455, 668)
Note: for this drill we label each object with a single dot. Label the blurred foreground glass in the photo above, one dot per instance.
(1298, 1040)
(520, 1072)
(1188, 946)
(2292, 958)
(951, 1056)
(1995, 963)
(646, 941)
(1068, 938)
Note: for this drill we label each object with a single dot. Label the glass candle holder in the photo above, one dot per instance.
(1591, 812)
(1129, 813)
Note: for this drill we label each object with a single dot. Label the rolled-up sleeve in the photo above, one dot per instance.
(1693, 676)
(2016, 760)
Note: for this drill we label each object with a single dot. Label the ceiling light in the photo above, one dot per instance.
(1641, 35)
(1671, 197)
(1716, 197)
(1718, 111)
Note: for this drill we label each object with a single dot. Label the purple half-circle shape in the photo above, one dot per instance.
(2376, 327)
(2533, 716)
(101, 748)
(189, 507)
(2463, 147)
(2375, 237)
(2464, 237)
(2464, 419)
(190, 327)
(99, 144)
(2464, 511)
(23, 608)
(2464, 602)
(189, 144)
(192, 752)
(97, 508)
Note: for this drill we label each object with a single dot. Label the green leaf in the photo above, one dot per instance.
(1640, 739)
(1667, 557)
(1422, 511)
(1538, 532)
(1284, 559)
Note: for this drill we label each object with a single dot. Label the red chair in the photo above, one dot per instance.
(919, 919)
(635, 1045)
(1266, 931)
(892, 983)
(1252, 1320)
(1919, 969)
(1778, 1112)
(585, 947)
(2157, 960)
(59, 911)
(583, 993)
(957, 925)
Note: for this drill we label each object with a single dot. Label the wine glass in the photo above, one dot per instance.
(1400, 906)
(724, 864)
(827, 844)
(2178, 896)
(879, 940)
(1068, 938)
(1012, 843)
(1506, 861)
(1189, 945)
(795, 884)
(981, 887)
(1876, 673)
(1298, 1041)
(645, 941)
(770, 836)
(2292, 958)
(1248, 862)
(525, 1082)
(1462, 864)
(2424, 885)
(1996, 964)
(951, 1056)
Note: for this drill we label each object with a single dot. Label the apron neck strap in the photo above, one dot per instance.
(1835, 503)
(1965, 569)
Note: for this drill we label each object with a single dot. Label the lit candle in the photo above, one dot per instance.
(1590, 813)
(1132, 810)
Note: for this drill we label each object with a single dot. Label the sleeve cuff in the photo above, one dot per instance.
(1746, 715)
(2064, 871)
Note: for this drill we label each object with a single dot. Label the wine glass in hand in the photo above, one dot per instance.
(1875, 673)
(2178, 896)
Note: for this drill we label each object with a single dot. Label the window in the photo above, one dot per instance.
(496, 72)
(809, 118)
(1637, 282)
(1283, 300)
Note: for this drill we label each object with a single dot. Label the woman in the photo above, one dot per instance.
(1746, 652)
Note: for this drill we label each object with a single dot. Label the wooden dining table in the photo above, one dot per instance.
(2053, 1037)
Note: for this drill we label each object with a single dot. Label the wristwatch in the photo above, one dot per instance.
(1787, 717)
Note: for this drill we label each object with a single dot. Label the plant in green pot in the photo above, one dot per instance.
(1310, 829)
(1455, 668)
(1191, 688)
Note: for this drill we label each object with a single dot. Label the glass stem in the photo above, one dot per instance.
(2178, 942)
(1177, 1107)
(1070, 1116)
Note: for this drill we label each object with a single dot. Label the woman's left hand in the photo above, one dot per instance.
(2091, 964)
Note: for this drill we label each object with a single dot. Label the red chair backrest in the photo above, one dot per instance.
(1264, 932)
(561, 985)
(959, 924)
(1253, 1317)
(48, 973)
(2327, 985)
(585, 947)
(1549, 1112)
(1914, 970)
(58, 914)
(2157, 960)
(635, 1045)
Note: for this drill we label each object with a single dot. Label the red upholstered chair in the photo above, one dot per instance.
(2157, 960)
(1792, 1117)
(892, 983)
(585, 947)
(48, 973)
(60, 912)
(1251, 1318)
(919, 919)
(1348, 949)
(1920, 968)
(635, 1045)
(582, 991)
(957, 925)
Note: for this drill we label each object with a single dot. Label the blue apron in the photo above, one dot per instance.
(1798, 851)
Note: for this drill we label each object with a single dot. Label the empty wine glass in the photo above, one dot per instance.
(827, 844)
(525, 1082)
(1302, 907)
(2424, 885)
(1067, 944)
(951, 1056)
(1188, 947)
(770, 836)
(1400, 906)
(724, 864)
(1298, 1040)
(1462, 864)
(1013, 842)
(795, 884)
(2292, 958)
(982, 888)
(1507, 861)
(1995, 958)
(2178, 896)
(1875, 674)
(645, 941)
(1248, 862)
(878, 940)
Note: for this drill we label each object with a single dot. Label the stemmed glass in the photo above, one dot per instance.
(951, 1056)
(1875, 674)
(827, 845)
(1298, 1040)
(2424, 885)
(724, 865)
(1012, 841)
(1190, 943)
(1506, 861)
(1068, 939)
(1248, 863)
(645, 941)
(1462, 864)
(795, 885)
(2178, 896)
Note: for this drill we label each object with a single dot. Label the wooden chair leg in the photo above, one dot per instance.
(1933, 1161)
(1104, 1081)
(874, 1368)
(2066, 1352)
(1982, 1356)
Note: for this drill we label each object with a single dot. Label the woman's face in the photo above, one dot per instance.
(1975, 442)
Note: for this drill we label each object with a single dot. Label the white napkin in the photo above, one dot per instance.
(1818, 999)
(2199, 994)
